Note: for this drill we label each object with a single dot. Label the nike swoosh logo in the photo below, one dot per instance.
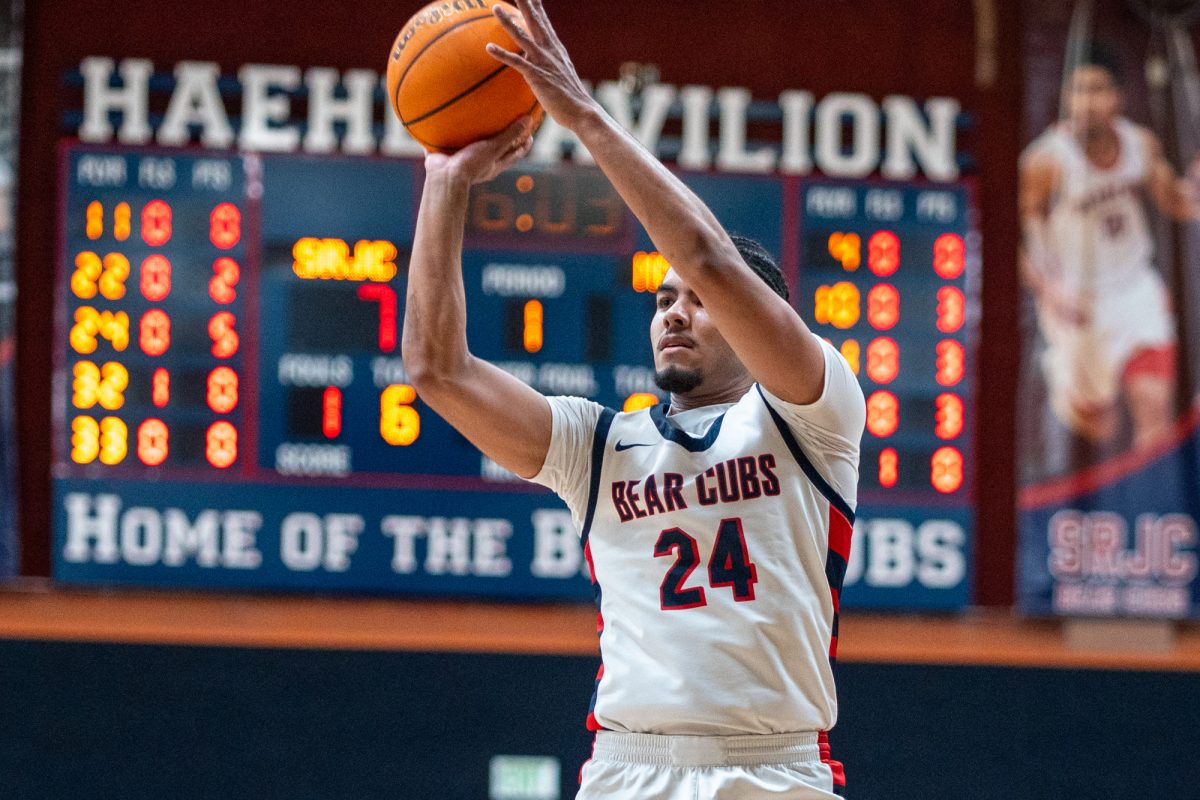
(622, 446)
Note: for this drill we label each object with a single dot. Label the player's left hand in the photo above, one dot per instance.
(545, 64)
(481, 161)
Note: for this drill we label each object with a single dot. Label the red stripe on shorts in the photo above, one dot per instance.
(1158, 362)
(839, 772)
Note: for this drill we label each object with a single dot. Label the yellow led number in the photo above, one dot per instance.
(107, 439)
(92, 274)
(399, 423)
(91, 325)
(104, 385)
(852, 352)
(837, 305)
(95, 221)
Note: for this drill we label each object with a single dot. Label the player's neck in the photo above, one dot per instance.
(1101, 146)
(705, 396)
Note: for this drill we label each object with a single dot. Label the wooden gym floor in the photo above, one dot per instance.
(34, 609)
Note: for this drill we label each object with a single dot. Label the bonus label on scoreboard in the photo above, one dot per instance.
(888, 278)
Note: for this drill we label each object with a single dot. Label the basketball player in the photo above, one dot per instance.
(1102, 308)
(716, 527)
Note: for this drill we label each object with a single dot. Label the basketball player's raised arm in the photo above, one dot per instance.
(1039, 175)
(507, 420)
(764, 331)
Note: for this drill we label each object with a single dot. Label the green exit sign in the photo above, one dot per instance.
(524, 778)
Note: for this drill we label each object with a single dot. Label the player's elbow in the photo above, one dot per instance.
(712, 262)
(429, 370)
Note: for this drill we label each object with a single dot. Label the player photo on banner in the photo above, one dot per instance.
(1109, 395)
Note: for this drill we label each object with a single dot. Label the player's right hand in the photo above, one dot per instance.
(1070, 308)
(481, 161)
(544, 63)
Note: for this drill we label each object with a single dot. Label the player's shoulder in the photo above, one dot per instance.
(577, 413)
(1048, 150)
(1126, 125)
(1143, 135)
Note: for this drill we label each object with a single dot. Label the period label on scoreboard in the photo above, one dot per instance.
(233, 409)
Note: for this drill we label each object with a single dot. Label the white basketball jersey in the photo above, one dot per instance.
(717, 563)
(1098, 225)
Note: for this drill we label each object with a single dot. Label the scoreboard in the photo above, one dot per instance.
(232, 409)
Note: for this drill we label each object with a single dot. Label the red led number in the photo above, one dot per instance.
(883, 307)
(225, 226)
(227, 273)
(883, 253)
(883, 360)
(889, 468)
(946, 470)
(951, 362)
(883, 414)
(156, 278)
(160, 392)
(224, 337)
(156, 223)
(949, 256)
(386, 297)
(949, 416)
(152, 438)
(154, 332)
(728, 566)
(331, 412)
(951, 309)
(221, 444)
(222, 390)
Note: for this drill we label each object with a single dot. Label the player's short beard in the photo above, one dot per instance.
(678, 381)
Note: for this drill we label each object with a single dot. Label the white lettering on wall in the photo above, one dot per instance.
(842, 134)
(100, 532)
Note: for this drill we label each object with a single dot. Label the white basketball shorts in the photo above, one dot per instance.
(1083, 363)
(644, 766)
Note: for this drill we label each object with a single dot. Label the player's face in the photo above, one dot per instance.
(1093, 99)
(689, 353)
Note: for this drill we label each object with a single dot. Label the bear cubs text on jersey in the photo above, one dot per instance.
(744, 478)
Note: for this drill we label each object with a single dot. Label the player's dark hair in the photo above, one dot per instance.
(759, 259)
(1099, 54)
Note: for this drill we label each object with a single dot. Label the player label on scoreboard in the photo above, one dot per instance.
(232, 408)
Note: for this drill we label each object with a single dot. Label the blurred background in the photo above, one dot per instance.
(240, 558)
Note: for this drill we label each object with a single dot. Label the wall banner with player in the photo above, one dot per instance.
(1109, 397)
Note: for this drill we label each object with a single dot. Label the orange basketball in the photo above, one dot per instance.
(445, 88)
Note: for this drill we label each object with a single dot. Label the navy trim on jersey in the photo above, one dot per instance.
(798, 453)
(835, 568)
(599, 439)
(658, 414)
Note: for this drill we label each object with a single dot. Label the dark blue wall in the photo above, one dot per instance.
(133, 722)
